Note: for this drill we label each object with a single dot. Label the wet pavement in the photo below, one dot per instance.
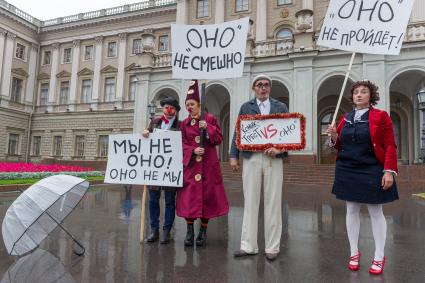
(314, 246)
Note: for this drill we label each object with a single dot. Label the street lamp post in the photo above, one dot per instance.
(421, 100)
(151, 109)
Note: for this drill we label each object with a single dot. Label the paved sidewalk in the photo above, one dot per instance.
(314, 245)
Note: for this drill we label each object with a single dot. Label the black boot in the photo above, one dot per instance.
(202, 236)
(190, 235)
(165, 238)
(154, 235)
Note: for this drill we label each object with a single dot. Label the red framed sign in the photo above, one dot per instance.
(284, 131)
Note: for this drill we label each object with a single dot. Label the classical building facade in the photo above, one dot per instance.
(67, 83)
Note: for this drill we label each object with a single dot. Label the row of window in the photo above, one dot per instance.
(112, 50)
(86, 90)
(57, 146)
(240, 6)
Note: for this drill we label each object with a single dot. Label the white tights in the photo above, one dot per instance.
(379, 227)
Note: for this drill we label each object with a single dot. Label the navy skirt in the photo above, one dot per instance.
(362, 184)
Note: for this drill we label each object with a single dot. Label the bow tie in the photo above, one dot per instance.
(165, 120)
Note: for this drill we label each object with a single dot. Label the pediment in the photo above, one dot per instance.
(109, 69)
(43, 76)
(132, 67)
(85, 72)
(20, 72)
(63, 74)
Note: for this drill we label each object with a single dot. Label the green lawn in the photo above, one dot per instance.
(421, 195)
(32, 181)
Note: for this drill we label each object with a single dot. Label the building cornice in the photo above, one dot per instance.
(27, 23)
(99, 36)
(113, 19)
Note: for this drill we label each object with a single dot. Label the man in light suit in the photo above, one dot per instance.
(257, 165)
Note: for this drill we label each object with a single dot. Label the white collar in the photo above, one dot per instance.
(359, 113)
(171, 121)
(265, 102)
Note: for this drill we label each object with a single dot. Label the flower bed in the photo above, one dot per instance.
(31, 167)
(13, 171)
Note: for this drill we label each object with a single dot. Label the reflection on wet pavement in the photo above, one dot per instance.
(314, 244)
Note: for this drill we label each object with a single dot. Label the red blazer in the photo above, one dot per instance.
(382, 136)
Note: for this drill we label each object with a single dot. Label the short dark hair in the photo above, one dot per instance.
(374, 94)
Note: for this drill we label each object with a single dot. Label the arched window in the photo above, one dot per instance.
(326, 120)
(284, 33)
(285, 40)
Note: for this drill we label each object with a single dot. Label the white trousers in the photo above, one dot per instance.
(259, 167)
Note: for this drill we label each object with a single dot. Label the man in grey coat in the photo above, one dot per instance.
(266, 165)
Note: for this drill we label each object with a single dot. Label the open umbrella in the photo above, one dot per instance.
(39, 210)
(39, 266)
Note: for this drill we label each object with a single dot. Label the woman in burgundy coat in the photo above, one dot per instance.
(365, 168)
(202, 195)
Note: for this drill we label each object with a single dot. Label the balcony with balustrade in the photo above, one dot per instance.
(143, 5)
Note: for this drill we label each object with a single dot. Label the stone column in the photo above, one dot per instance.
(240, 94)
(261, 22)
(182, 12)
(53, 72)
(2, 45)
(122, 54)
(308, 4)
(7, 64)
(73, 86)
(141, 115)
(302, 99)
(32, 76)
(96, 73)
(219, 11)
(374, 70)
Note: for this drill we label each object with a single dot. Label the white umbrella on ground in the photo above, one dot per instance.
(39, 266)
(39, 210)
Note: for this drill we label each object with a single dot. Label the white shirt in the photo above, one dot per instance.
(165, 126)
(359, 113)
(264, 106)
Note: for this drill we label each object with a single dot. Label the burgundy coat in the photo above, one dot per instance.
(202, 195)
(382, 136)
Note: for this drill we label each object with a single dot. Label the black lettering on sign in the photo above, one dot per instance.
(198, 39)
(150, 175)
(172, 177)
(367, 10)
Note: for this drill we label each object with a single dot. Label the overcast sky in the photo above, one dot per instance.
(50, 9)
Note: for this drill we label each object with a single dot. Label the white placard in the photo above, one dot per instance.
(209, 51)
(372, 26)
(157, 160)
(270, 131)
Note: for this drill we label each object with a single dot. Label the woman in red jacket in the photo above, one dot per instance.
(365, 168)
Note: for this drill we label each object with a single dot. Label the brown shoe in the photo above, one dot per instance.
(242, 253)
(271, 256)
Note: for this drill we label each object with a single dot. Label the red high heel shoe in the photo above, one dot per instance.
(355, 258)
(378, 263)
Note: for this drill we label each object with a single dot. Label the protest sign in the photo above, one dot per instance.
(373, 26)
(157, 160)
(209, 51)
(285, 131)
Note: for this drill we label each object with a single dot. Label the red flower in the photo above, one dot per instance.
(31, 167)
